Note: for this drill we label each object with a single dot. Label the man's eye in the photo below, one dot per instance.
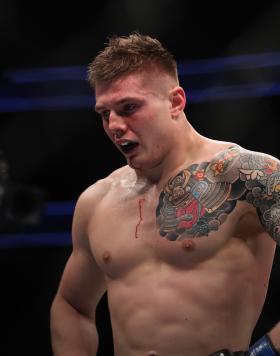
(105, 115)
(128, 108)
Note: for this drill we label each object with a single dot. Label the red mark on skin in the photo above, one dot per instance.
(107, 257)
(188, 244)
(140, 216)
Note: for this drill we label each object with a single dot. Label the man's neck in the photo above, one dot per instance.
(184, 154)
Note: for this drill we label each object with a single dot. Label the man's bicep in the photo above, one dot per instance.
(263, 191)
(83, 283)
(270, 219)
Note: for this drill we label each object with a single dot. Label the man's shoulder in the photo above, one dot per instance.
(101, 188)
(245, 156)
(235, 163)
(259, 162)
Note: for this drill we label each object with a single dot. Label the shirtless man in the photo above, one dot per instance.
(182, 238)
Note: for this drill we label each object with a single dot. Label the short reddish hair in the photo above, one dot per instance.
(125, 55)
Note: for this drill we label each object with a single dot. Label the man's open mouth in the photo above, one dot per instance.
(127, 147)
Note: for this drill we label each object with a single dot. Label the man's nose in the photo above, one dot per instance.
(117, 124)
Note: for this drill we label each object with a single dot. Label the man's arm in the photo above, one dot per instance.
(73, 329)
(268, 345)
(274, 336)
(262, 174)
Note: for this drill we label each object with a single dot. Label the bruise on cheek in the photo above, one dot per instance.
(107, 257)
(188, 244)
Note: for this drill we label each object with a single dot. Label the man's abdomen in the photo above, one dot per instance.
(184, 312)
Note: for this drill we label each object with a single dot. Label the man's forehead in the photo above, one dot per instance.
(121, 90)
(134, 85)
(121, 83)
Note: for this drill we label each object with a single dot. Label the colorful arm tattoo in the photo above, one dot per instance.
(198, 199)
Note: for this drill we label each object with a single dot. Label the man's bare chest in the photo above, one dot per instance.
(199, 210)
(126, 233)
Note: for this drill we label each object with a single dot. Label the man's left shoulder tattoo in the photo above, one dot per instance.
(199, 198)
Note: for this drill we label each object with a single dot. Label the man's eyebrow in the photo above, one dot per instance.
(127, 98)
(98, 108)
(119, 102)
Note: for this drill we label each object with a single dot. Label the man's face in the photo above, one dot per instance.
(136, 115)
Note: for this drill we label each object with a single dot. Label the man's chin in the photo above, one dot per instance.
(140, 165)
(133, 164)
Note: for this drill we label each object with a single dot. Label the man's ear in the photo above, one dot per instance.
(178, 101)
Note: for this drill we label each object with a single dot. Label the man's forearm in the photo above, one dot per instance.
(274, 335)
(268, 345)
(71, 332)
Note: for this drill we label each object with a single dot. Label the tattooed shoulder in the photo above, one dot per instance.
(261, 174)
(199, 198)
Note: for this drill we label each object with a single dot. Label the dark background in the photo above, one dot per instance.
(57, 151)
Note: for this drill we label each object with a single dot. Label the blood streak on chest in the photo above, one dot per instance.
(140, 202)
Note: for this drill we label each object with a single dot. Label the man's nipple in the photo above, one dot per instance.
(107, 256)
(188, 244)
